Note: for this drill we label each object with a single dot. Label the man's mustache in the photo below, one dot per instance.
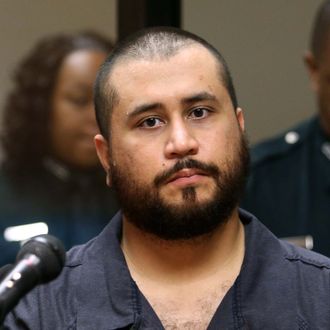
(209, 169)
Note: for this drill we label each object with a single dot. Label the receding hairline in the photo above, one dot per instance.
(109, 85)
(152, 55)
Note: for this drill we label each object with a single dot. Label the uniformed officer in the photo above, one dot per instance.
(289, 187)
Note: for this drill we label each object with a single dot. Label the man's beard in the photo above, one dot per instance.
(143, 206)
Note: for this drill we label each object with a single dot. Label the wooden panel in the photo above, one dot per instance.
(136, 14)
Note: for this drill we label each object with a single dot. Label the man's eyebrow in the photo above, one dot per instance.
(140, 109)
(198, 97)
(202, 96)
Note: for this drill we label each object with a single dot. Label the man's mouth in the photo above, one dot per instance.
(186, 172)
(186, 176)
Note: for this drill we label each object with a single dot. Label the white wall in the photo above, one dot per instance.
(263, 42)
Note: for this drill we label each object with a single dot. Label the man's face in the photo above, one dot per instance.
(177, 157)
(320, 75)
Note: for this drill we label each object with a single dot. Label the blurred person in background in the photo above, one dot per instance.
(289, 187)
(50, 177)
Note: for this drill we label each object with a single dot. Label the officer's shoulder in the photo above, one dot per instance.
(283, 144)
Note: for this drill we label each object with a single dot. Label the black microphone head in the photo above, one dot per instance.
(51, 253)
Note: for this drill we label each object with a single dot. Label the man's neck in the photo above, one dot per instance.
(164, 261)
(185, 282)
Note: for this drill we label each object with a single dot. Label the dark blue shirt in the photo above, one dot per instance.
(279, 287)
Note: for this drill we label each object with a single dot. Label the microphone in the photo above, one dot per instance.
(40, 260)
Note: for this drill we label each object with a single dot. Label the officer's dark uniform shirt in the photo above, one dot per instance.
(289, 187)
(75, 206)
(280, 286)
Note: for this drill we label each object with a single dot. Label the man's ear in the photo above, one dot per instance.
(102, 150)
(240, 118)
(312, 68)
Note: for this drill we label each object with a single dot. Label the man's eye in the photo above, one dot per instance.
(199, 113)
(151, 122)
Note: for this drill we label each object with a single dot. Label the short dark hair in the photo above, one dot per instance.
(27, 111)
(148, 43)
(320, 31)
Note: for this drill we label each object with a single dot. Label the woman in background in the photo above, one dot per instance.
(50, 172)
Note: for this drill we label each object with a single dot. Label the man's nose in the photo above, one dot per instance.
(181, 142)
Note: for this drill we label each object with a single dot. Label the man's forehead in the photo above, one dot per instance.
(137, 82)
(186, 59)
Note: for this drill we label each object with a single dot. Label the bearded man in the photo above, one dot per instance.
(180, 254)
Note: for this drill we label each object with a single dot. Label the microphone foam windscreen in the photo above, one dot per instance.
(51, 253)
